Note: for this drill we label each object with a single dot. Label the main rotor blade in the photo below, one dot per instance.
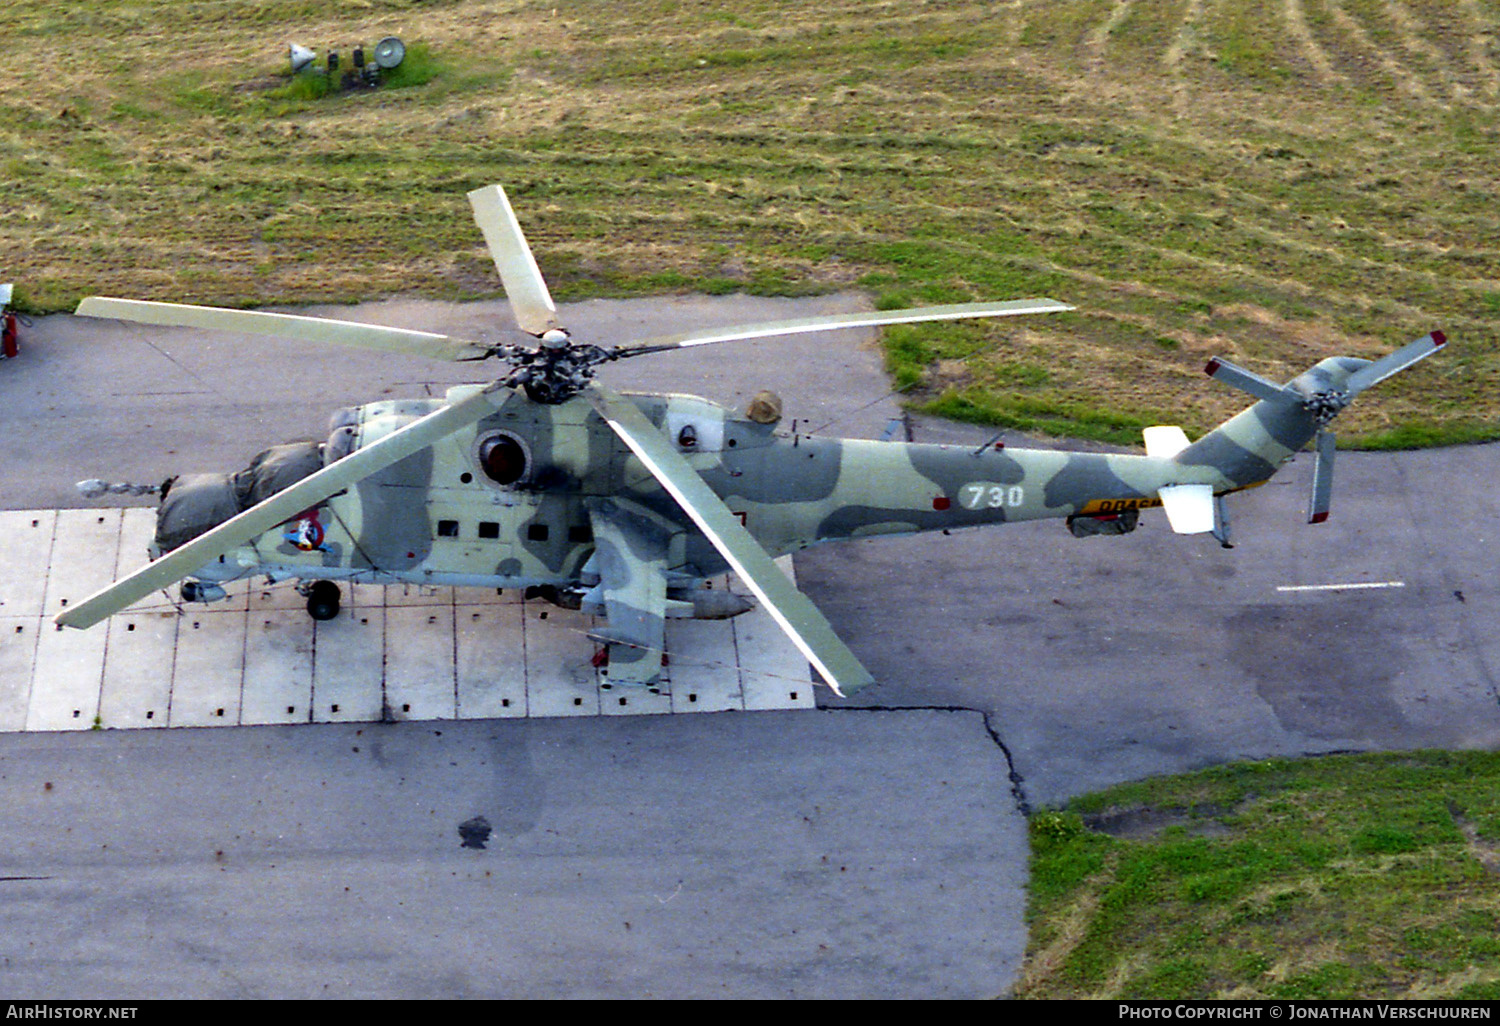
(1397, 361)
(1246, 381)
(285, 504)
(306, 329)
(831, 322)
(524, 287)
(793, 611)
(1322, 480)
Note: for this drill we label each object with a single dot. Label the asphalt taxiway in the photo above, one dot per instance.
(872, 847)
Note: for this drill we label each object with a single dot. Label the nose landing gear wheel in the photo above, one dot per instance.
(322, 600)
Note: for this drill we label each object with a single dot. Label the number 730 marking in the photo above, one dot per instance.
(984, 495)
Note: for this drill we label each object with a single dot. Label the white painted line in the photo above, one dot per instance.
(1341, 587)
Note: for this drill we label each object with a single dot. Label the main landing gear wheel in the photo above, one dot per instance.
(322, 600)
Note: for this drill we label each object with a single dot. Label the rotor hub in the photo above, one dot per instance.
(557, 369)
(1324, 406)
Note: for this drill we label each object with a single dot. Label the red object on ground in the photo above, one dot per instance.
(10, 342)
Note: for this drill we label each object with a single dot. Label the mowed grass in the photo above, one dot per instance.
(1272, 183)
(1373, 876)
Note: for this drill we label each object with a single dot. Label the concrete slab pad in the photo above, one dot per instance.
(485, 597)
(771, 676)
(364, 596)
(417, 595)
(210, 674)
(137, 529)
(560, 677)
(620, 700)
(278, 666)
(490, 654)
(419, 672)
(142, 659)
(349, 666)
(84, 554)
(705, 667)
(25, 552)
(18, 637)
(66, 679)
(256, 657)
(284, 596)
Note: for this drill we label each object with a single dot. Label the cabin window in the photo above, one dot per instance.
(580, 533)
(536, 532)
(447, 529)
(489, 529)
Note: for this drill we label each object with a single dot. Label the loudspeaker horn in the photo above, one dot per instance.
(390, 52)
(301, 57)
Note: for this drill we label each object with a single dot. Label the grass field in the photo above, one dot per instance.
(1373, 877)
(1273, 181)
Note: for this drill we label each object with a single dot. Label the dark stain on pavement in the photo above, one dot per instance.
(475, 832)
(1326, 670)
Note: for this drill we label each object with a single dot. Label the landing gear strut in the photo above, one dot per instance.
(322, 599)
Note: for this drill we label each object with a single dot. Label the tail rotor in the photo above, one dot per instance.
(1323, 392)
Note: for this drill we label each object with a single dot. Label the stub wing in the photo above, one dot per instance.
(793, 611)
(630, 557)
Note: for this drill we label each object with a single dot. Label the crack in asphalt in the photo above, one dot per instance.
(1017, 781)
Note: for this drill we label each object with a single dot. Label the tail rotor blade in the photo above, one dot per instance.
(524, 286)
(1322, 481)
(1245, 381)
(1397, 361)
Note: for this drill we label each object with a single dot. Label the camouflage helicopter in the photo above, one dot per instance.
(624, 504)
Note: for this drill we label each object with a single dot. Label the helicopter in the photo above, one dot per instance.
(627, 504)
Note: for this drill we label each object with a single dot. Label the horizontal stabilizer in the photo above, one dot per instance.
(1164, 440)
(1190, 508)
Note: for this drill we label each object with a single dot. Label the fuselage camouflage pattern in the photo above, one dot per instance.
(548, 497)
